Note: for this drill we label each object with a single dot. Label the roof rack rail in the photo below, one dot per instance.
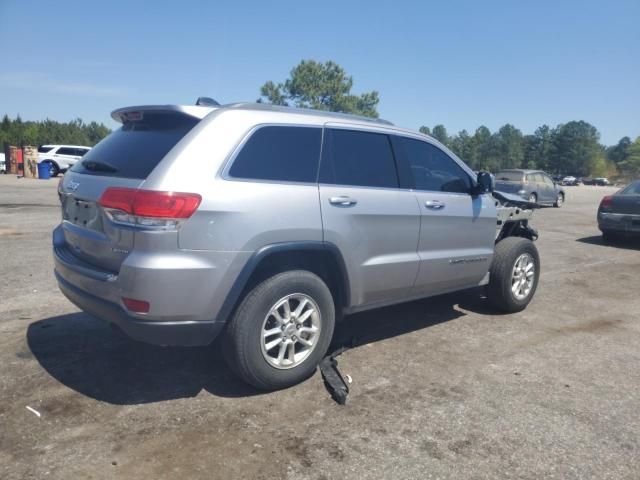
(305, 111)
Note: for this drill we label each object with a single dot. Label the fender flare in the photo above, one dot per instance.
(233, 297)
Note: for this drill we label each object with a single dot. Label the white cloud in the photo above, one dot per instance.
(44, 83)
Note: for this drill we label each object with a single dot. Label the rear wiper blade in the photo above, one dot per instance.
(98, 166)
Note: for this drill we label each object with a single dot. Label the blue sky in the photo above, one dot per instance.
(459, 63)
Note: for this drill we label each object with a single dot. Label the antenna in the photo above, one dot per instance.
(207, 102)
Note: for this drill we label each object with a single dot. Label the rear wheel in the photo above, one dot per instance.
(609, 236)
(514, 274)
(281, 330)
(533, 198)
(54, 169)
(559, 200)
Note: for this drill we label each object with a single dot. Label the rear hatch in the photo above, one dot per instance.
(509, 182)
(124, 159)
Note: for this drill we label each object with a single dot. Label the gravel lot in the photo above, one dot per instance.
(443, 388)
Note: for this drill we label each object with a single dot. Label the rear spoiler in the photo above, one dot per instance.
(137, 112)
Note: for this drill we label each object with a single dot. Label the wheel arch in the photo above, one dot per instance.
(322, 258)
(49, 160)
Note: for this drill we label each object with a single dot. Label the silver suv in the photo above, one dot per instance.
(266, 224)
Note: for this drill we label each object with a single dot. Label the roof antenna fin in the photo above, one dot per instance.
(207, 102)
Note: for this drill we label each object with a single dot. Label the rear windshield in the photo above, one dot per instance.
(509, 176)
(136, 148)
(633, 189)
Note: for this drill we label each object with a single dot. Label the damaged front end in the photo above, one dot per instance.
(513, 215)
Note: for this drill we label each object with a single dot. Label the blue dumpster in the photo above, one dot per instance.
(44, 170)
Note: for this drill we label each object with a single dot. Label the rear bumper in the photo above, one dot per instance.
(619, 222)
(187, 333)
(185, 290)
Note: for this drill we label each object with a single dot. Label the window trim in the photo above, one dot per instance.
(231, 158)
(360, 130)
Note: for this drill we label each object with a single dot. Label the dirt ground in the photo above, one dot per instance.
(443, 388)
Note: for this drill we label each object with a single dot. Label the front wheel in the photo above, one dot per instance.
(514, 274)
(533, 198)
(559, 201)
(281, 330)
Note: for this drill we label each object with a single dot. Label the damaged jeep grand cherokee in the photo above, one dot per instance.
(264, 224)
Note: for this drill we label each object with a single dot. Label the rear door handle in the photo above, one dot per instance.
(434, 204)
(342, 201)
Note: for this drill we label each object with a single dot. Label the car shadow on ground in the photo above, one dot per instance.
(631, 243)
(87, 355)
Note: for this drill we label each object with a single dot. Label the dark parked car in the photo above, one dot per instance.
(534, 186)
(619, 214)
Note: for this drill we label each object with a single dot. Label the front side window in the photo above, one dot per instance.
(431, 168)
(352, 157)
(280, 153)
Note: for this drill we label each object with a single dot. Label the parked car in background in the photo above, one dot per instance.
(619, 214)
(601, 182)
(570, 181)
(3, 164)
(535, 186)
(61, 157)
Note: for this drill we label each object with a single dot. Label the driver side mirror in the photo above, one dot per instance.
(485, 183)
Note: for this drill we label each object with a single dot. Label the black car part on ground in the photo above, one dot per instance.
(334, 382)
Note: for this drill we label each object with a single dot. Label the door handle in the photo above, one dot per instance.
(434, 204)
(342, 201)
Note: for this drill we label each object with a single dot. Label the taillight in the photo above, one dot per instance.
(148, 208)
(606, 202)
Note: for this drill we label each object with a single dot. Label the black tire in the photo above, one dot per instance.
(533, 198)
(243, 342)
(609, 236)
(559, 200)
(499, 289)
(54, 168)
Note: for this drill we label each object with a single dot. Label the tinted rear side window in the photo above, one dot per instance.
(44, 149)
(289, 154)
(358, 158)
(136, 148)
(66, 151)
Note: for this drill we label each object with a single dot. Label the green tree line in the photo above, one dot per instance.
(19, 133)
(572, 148)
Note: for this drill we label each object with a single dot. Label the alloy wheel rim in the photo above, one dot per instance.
(523, 276)
(290, 331)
